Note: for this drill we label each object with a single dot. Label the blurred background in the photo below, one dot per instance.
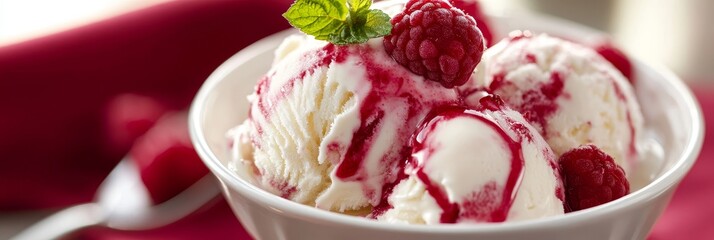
(26, 19)
(117, 46)
(674, 33)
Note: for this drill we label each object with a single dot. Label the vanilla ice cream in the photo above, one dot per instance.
(327, 123)
(346, 128)
(570, 94)
(484, 165)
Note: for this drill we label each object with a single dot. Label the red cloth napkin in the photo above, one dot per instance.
(54, 146)
(57, 143)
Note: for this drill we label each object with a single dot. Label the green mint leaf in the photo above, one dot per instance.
(377, 24)
(339, 21)
(358, 5)
(319, 18)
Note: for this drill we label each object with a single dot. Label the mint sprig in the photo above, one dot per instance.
(339, 21)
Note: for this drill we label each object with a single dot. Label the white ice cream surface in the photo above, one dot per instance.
(308, 109)
(471, 162)
(595, 103)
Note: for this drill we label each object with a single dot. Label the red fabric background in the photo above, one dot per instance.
(55, 148)
(53, 90)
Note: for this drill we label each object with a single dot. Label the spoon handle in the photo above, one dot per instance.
(63, 222)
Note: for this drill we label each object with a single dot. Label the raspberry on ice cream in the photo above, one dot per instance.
(436, 40)
(327, 123)
(473, 8)
(482, 165)
(570, 93)
(591, 177)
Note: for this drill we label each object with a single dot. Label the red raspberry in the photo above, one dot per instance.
(617, 58)
(591, 178)
(472, 7)
(436, 40)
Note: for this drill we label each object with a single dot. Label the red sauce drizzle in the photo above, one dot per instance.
(361, 143)
(387, 87)
(267, 103)
(485, 204)
(623, 98)
(538, 103)
(530, 58)
(313, 60)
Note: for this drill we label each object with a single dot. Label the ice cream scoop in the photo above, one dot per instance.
(477, 165)
(328, 123)
(570, 93)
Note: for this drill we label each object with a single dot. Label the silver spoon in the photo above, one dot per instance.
(123, 203)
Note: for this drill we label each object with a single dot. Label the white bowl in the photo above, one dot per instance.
(670, 111)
